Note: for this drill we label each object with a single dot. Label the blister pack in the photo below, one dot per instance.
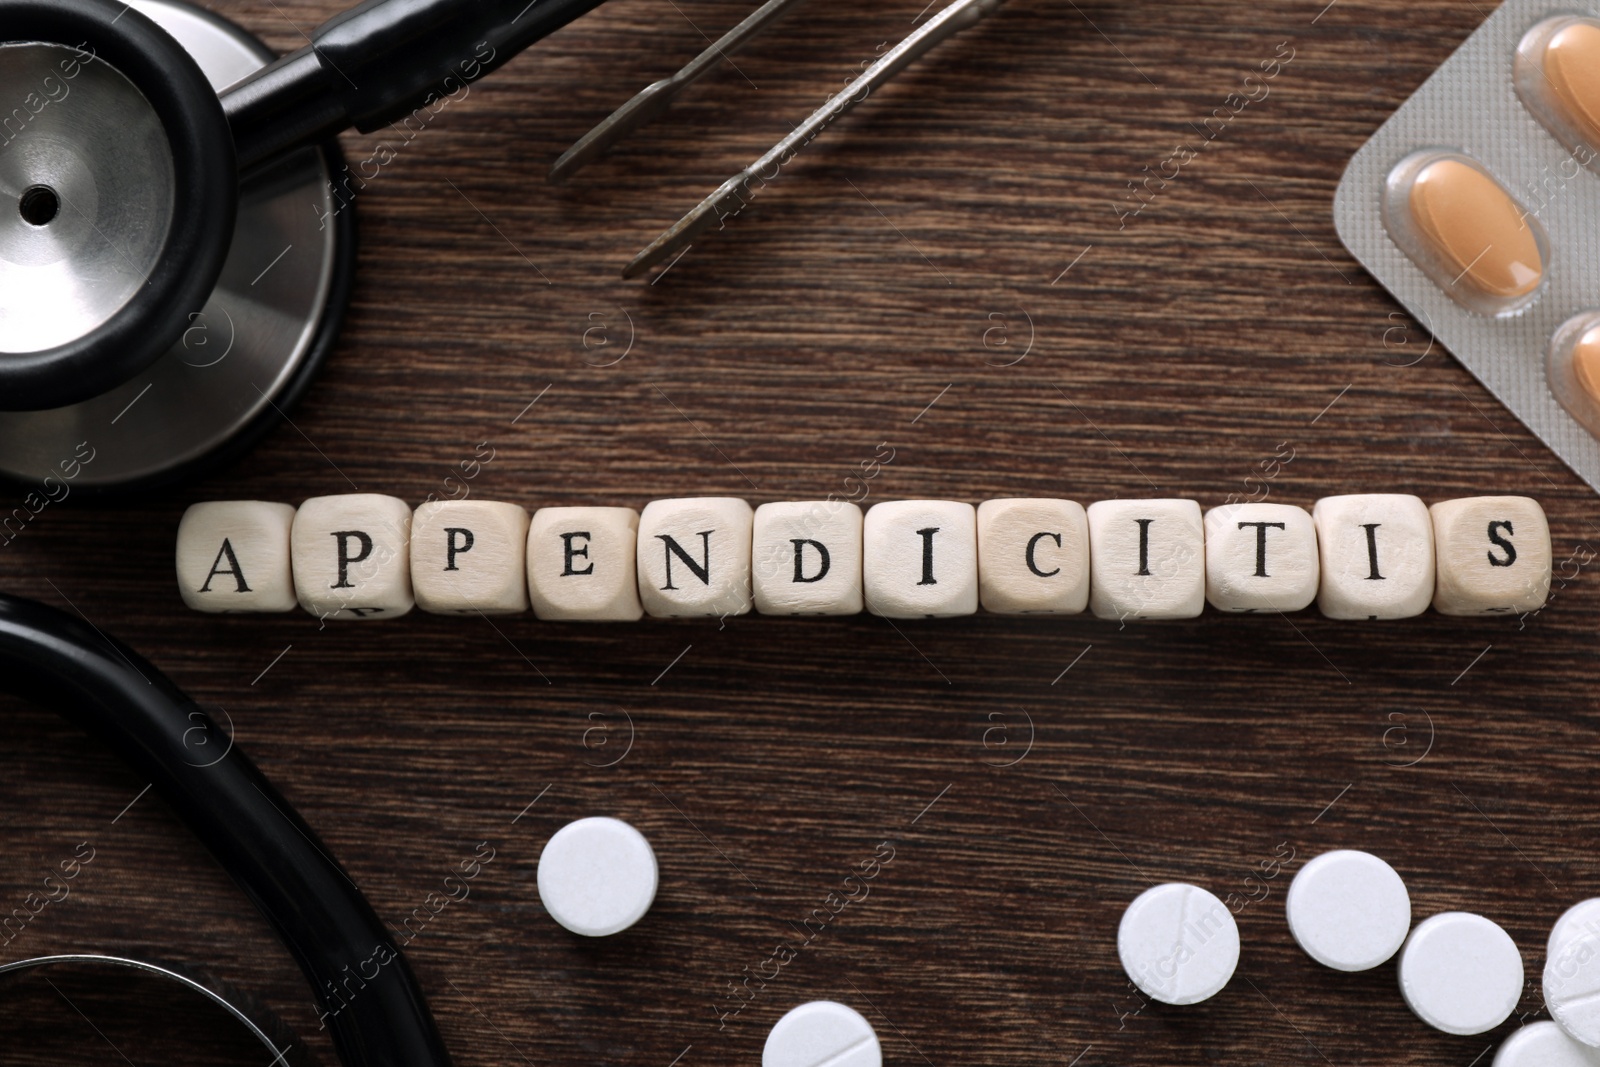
(1477, 205)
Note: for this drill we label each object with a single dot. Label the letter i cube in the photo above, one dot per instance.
(1146, 559)
(1377, 556)
(920, 559)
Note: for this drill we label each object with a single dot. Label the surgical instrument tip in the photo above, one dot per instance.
(713, 209)
(655, 98)
(719, 206)
(645, 106)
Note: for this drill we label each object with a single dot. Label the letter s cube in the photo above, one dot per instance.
(1493, 555)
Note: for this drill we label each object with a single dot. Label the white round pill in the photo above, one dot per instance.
(597, 876)
(822, 1032)
(1584, 915)
(1461, 973)
(1178, 943)
(1572, 973)
(1349, 910)
(1542, 1044)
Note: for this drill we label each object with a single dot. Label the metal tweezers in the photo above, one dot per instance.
(656, 97)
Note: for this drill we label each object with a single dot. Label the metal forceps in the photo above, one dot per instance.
(655, 98)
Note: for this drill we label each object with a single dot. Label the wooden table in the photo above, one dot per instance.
(944, 273)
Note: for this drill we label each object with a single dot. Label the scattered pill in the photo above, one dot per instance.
(1178, 943)
(1461, 973)
(1572, 973)
(1584, 915)
(597, 876)
(1349, 910)
(1542, 1044)
(822, 1032)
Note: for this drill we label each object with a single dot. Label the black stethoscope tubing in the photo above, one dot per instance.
(110, 691)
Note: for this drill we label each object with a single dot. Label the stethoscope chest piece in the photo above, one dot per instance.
(91, 173)
(93, 199)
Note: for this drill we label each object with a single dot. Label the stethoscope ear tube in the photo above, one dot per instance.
(373, 1005)
(379, 61)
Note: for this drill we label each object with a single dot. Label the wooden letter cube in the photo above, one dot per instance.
(806, 558)
(1261, 557)
(1377, 556)
(694, 557)
(1033, 557)
(468, 557)
(920, 559)
(233, 555)
(1493, 555)
(1147, 559)
(352, 557)
(582, 566)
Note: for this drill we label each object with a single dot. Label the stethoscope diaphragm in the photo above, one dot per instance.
(251, 346)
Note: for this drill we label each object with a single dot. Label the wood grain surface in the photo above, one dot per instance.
(944, 272)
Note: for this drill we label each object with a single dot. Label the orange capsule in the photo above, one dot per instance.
(1557, 75)
(1572, 65)
(1466, 231)
(1586, 362)
(1572, 367)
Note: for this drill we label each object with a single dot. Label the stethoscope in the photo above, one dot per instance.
(177, 265)
(158, 311)
(330, 929)
(174, 264)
